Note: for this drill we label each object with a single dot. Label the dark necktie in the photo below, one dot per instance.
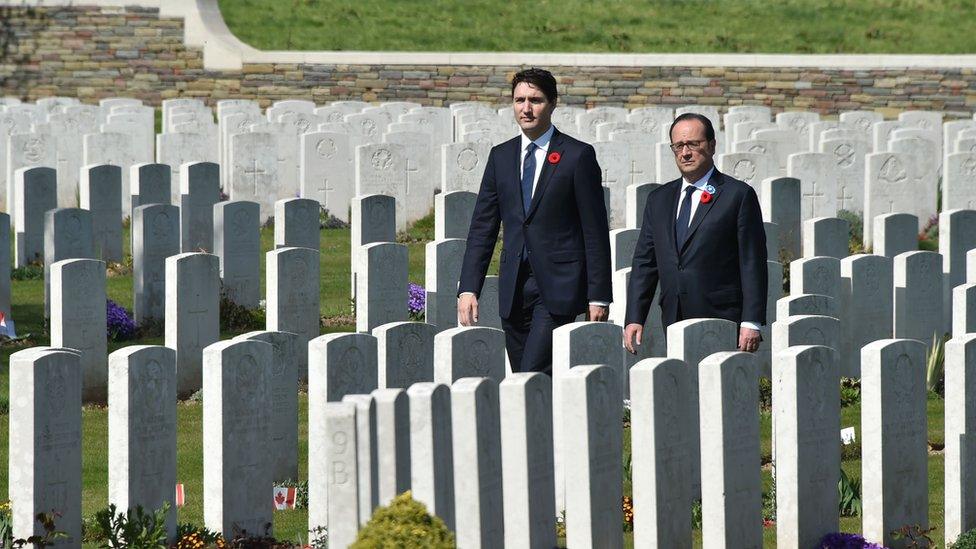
(528, 175)
(684, 218)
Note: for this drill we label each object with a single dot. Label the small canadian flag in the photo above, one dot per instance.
(180, 496)
(284, 497)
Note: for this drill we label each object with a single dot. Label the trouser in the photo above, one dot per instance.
(528, 327)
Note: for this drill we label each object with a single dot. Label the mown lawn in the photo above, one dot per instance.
(291, 525)
(709, 26)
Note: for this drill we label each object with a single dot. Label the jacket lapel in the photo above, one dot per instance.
(716, 181)
(516, 153)
(671, 198)
(555, 145)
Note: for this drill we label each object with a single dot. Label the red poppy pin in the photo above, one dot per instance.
(554, 157)
(706, 197)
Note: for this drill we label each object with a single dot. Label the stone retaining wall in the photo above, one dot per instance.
(96, 52)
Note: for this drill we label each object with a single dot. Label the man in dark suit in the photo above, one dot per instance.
(545, 188)
(702, 237)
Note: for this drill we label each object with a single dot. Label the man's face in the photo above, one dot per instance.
(533, 111)
(692, 152)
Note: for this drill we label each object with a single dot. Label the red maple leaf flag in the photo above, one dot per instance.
(284, 497)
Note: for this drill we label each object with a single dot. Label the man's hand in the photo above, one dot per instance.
(632, 331)
(598, 313)
(467, 309)
(749, 340)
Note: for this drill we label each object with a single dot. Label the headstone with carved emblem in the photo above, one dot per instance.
(464, 166)
(342, 364)
(297, 223)
(28, 150)
(254, 171)
(819, 179)
(237, 240)
(866, 307)
(815, 275)
(959, 184)
(289, 358)
(419, 180)
(847, 153)
(200, 190)
(806, 423)
(732, 497)
(443, 270)
(192, 313)
(889, 188)
(918, 296)
(78, 319)
(476, 436)
(156, 236)
(381, 285)
(176, 149)
(292, 288)
(893, 438)
(751, 167)
(67, 235)
(469, 351)
(382, 169)
(452, 214)
(431, 457)
(527, 453)
(237, 473)
(114, 149)
(591, 413)
(405, 353)
(326, 171)
(691, 341)
(45, 431)
(895, 233)
(142, 429)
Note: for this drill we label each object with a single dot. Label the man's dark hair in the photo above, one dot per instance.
(540, 78)
(709, 130)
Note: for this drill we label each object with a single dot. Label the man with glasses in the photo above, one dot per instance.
(703, 238)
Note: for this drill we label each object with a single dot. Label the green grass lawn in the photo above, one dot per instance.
(708, 26)
(27, 297)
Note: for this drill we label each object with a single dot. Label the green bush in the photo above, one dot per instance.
(404, 523)
(965, 541)
(137, 528)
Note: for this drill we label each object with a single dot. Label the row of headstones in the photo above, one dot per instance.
(367, 448)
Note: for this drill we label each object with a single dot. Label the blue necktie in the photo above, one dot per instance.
(684, 218)
(528, 175)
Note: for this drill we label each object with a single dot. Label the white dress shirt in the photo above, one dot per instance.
(695, 201)
(541, 153)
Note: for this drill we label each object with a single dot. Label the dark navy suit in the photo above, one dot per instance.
(555, 257)
(720, 271)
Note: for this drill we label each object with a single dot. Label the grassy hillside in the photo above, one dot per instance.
(790, 26)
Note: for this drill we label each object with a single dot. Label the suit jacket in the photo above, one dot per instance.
(564, 234)
(720, 271)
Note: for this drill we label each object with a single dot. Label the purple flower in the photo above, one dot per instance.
(416, 299)
(118, 322)
(841, 540)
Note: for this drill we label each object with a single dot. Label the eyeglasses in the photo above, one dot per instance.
(693, 146)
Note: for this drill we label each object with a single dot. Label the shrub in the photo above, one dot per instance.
(850, 495)
(51, 535)
(238, 317)
(329, 221)
(965, 541)
(935, 364)
(118, 322)
(136, 528)
(850, 391)
(404, 523)
(31, 271)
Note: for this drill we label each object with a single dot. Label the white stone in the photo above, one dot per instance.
(156, 236)
(895, 233)
(237, 241)
(114, 149)
(78, 320)
(342, 364)
(236, 422)
(591, 413)
(452, 214)
(292, 294)
(392, 442)
(382, 169)
(469, 351)
(431, 453)
(192, 314)
(780, 201)
(142, 429)
(199, 192)
(660, 453)
(254, 170)
(866, 306)
(45, 441)
(326, 171)
(826, 236)
(894, 449)
(443, 271)
(297, 223)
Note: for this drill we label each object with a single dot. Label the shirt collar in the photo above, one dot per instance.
(542, 142)
(701, 183)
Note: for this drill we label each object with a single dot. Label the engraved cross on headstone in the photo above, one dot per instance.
(813, 196)
(324, 190)
(634, 172)
(254, 172)
(843, 197)
(606, 178)
(410, 169)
